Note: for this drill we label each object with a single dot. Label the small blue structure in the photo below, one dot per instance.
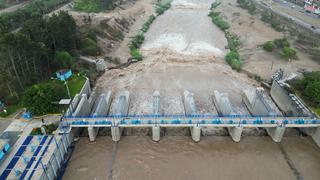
(1, 105)
(64, 74)
(26, 115)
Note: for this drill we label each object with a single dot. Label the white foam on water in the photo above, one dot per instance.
(178, 43)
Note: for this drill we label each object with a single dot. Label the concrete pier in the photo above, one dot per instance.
(101, 109)
(224, 107)
(316, 136)
(276, 133)
(156, 110)
(259, 104)
(190, 108)
(156, 133)
(83, 107)
(121, 108)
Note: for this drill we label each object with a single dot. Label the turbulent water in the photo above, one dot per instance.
(179, 158)
(184, 51)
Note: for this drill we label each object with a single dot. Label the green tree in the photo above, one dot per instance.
(63, 59)
(63, 35)
(39, 99)
(268, 46)
(312, 92)
(289, 53)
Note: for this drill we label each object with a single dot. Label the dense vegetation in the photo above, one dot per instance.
(93, 5)
(31, 55)
(247, 4)
(36, 9)
(233, 57)
(309, 88)
(39, 99)
(282, 46)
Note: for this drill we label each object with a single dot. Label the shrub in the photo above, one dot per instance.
(232, 55)
(281, 43)
(136, 41)
(89, 47)
(266, 17)
(233, 41)
(268, 46)
(276, 25)
(215, 5)
(247, 4)
(63, 59)
(217, 20)
(289, 53)
(135, 54)
(161, 8)
(147, 24)
(234, 60)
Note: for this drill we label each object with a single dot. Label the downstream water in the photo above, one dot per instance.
(179, 158)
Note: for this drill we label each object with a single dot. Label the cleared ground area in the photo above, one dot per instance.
(178, 157)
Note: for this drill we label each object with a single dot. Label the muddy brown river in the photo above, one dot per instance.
(178, 157)
(183, 50)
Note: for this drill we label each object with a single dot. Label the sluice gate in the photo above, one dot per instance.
(113, 113)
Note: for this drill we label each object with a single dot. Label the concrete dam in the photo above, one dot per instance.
(93, 111)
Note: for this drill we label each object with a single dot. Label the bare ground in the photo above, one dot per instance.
(253, 32)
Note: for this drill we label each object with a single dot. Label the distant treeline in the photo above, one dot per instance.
(12, 20)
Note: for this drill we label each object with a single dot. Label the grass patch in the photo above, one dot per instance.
(75, 84)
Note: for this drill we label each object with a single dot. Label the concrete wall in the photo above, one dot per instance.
(286, 104)
(54, 158)
(83, 107)
(86, 89)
